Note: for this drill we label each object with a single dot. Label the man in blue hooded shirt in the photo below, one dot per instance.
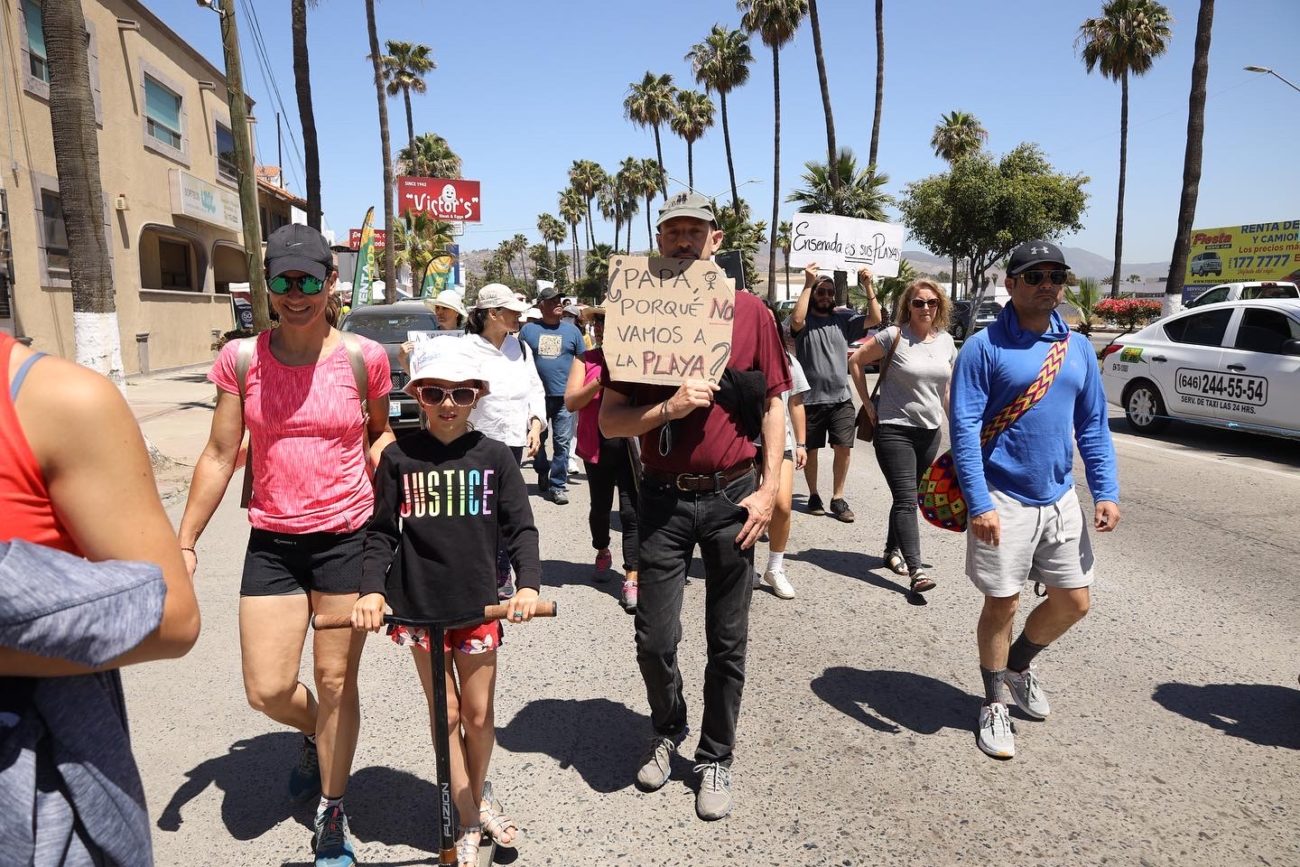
(1025, 518)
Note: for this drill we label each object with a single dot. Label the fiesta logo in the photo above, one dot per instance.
(1221, 238)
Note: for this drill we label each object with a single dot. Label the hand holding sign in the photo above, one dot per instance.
(846, 244)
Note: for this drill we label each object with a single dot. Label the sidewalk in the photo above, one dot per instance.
(174, 411)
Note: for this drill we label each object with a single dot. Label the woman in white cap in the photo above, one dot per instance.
(447, 309)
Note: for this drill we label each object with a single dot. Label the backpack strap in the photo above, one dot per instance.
(23, 370)
(1036, 391)
(357, 360)
(243, 361)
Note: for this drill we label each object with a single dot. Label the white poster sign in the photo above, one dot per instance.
(197, 199)
(845, 244)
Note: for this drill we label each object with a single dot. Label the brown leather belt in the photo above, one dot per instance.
(699, 483)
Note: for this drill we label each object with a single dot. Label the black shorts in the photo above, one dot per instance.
(835, 420)
(278, 564)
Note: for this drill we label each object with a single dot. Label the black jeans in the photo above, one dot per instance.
(672, 524)
(614, 468)
(904, 453)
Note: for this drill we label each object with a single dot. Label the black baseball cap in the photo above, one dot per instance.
(548, 293)
(1032, 253)
(296, 247)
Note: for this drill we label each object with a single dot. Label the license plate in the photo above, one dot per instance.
(394, 409)
(1231, 387)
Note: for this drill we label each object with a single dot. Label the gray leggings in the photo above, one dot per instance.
(904, 453)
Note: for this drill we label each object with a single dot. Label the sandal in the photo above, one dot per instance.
(921, 582)
(467, 845)
(895, 562)
(496, 824)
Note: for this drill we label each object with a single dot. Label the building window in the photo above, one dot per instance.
(174, 263)
(162, 114)
(54, 237)
(226, 166)
(37, 60)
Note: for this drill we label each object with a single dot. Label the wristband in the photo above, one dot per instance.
(192, 551)
(801, 445)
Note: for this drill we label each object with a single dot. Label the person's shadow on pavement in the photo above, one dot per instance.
(888, 700)
(1262, 713)
(589, 735)
(852, 564)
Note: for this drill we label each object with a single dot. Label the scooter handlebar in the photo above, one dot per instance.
(545, 608)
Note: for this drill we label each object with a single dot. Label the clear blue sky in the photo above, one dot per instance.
(523, 88)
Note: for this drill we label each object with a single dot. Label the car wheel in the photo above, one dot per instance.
(959, 332)
(1144, 409)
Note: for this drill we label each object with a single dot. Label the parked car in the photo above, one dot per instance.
(1204, 264)
(1245, 292)
(390, 325)
(984, 317)
(1234, 364)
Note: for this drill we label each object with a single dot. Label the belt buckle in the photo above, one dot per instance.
(678, 482)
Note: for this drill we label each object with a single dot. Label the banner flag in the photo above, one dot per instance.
(365, 274)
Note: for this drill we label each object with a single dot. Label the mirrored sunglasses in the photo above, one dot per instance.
(434, 395)
(922, 303)
(306, 284)
(1033, 278)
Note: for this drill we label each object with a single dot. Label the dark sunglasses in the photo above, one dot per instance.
(922, 303)
(307, 284)
(434, 395)
(1033, 278)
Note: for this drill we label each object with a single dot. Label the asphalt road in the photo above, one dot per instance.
(1175, 735)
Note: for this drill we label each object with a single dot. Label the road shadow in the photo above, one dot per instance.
(558, 573)
(889, 701)
(1218, 441)
(1262, 713)
(254, 776)
(854, 564)
(596, 737)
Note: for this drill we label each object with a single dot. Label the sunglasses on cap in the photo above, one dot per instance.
(922, 303)
(434, 395)
(307, 284)
(1033, 278)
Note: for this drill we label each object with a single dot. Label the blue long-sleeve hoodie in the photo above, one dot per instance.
(1030, 461)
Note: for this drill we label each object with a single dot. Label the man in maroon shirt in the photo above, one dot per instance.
(699, 488)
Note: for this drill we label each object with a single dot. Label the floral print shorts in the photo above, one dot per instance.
(483, 638)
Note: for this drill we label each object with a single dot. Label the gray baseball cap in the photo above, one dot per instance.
(687, 205)
(296, 247)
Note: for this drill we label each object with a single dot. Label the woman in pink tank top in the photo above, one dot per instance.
(298, 390)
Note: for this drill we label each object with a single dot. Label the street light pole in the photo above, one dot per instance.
(1266, 70)
(244, 160)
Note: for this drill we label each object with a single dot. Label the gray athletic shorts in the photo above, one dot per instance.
(1039, 543)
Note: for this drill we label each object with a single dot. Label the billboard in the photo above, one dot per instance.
(444, 199)
(1249, 252)
(379, 236)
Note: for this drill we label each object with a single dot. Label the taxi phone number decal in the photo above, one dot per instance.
(1224, 386)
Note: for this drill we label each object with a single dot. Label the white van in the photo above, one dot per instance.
(1245, 292)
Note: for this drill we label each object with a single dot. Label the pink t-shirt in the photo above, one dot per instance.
(308, 437)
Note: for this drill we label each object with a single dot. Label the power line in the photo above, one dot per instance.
(273, 89)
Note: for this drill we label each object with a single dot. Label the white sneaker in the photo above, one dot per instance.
(1027, 693)
(996, 735)
(780, 584)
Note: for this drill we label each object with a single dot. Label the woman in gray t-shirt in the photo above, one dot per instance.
(911, 411)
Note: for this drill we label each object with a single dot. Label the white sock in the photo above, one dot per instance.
(326, 804)
(775, 560)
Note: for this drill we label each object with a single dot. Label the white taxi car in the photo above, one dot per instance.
(1235, 364)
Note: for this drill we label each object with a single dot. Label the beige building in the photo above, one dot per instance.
(167, 166)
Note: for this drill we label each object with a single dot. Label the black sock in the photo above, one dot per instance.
(992, 684)
(1022, 653)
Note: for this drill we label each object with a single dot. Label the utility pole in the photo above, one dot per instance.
(244, 160)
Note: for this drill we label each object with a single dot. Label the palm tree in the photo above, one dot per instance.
(847, 191)
(505, 257)
(376, 60)
(650, 102)
(429, 156)
(721, 62)
(1124, 41)
(302, 85)
(694, 115)
(587, 177)
(958, 134)
(649, 176)
(573, 207)
(775, 21)
(831, 150)
(405, 66)
(783, 240)
(1191, 158)
(76, 155)
(880, 82)
(519, 244)
(1085, 299)
(552, 230)
(608, 199)
(420, 240)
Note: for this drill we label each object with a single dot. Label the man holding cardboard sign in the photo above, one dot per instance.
(700, 482)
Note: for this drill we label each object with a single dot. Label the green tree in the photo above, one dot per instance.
(783, 240)
(610, 206)
(587, 177)
(847, 191)
(888, 290)
(519, 246)
(628, 187)
(652, 102)
(302, 87)
(880, 82)
(1125, 40)
(775, 21)
(1191, 159)
(385, 145)
(573, 207)
(694, 115)
(429, 156)
(738, 233)
(649, 177)
(721, 63)
(552, 230)
(405, 66)
(1084, 298)
(419, 241)
(982, 208)
(957, 134)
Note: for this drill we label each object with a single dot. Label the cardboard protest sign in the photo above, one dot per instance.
(845, 244)
(667, 320)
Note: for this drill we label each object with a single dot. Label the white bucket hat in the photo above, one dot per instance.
(450, 299)
(446, 358)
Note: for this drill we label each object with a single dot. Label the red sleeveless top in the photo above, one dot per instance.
(25, 509)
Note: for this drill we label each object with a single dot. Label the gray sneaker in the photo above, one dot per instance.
(560, 497)
(656, 769)
(713, 800)
(1027, 693)
(997, 735)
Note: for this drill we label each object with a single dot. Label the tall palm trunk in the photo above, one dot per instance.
(726, 140)
(410, 124)
(390, 269)
(618, 224)
(659, 155)
(826, 95)
(649, 232)
(1123, 169)
(776, 171)
(302, 85)
(523, 264)
(954, 281)
(880, 81)
(591, 231)
(76, 156)
(574, 228)
(1191, 158)
(690, 165)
